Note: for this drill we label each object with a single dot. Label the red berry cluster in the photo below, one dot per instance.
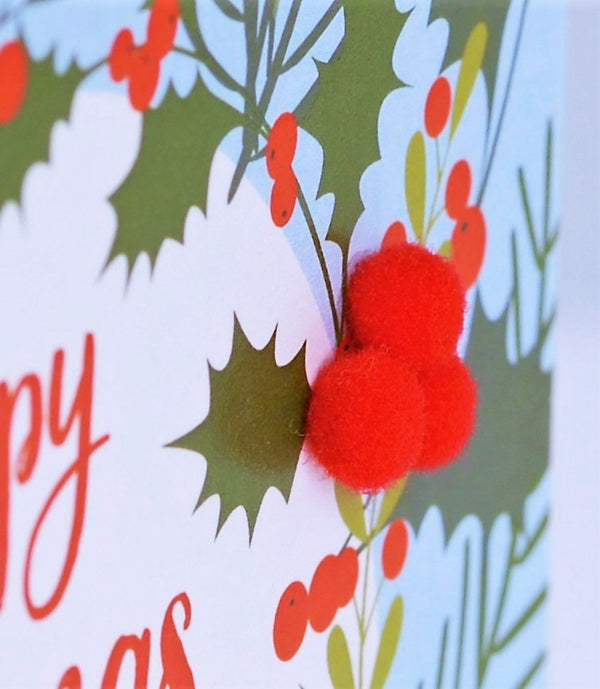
(396, 397)
(14, 76)
(141, 64)
(281, 149)
(332, 588)
(469, 236)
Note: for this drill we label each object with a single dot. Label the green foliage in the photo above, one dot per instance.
(462, 18)
(25, 140)
(351, 508)
(252, 436)
(470, 65)
(388, 644)
(179, 141)
(388, 504)
(509, 451)
(415, 179)
(342, 110)
(338, 660)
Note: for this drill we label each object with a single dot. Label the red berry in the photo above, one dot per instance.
(323, 594)
(291, 620)
(283, 197)
(450, 402)
(458, 189)
(121, 54)
(162, 27)
(468, 245)
(14, 75)
(347, 576)
(395, 235)
(395, 546)
(408, 301)
(437, 107)
(365, 419)
(144, 78)
(281, 145)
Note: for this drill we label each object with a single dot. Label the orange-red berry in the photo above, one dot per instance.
(121, 55)
(395, 235)
(162, 27)
(145, 69)
(458, 189)
(281, 145)
(283, 197)
(395, 546)
(437, 107)
(468, 245)
(323, 594)
(347, 577)
(14, 76)
(291, 619)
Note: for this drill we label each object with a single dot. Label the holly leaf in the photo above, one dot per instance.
(253, 435)
(25, 140)
(463, 17)
(508, 454)
(342, 109)
(170, 175)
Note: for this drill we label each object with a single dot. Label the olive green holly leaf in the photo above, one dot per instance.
(342, 109)
(252, 436)
(25, 140)
(509, 452)
(170, 175)
(463, 17)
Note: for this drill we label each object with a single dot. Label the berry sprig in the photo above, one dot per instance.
(140, 64)
(466, 246)
(344, 578)
(14, 78)
(332, 588)
(396, 397)
(280, 152)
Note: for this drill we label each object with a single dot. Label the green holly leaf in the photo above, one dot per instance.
(341, 111)
(508, 454)
(463, 17)
(253, 433)
(25, 140)
(170, 175)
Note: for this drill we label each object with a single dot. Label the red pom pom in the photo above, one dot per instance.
(365, 419)
(450, 402)
(409, 301)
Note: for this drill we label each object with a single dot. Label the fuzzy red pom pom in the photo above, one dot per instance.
(365, 419)
(409, 301)
(450, 402)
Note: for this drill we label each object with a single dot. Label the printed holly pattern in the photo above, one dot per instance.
(344, 578)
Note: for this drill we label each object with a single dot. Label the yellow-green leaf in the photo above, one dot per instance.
(338, 660)
(389, 502)
(414, 183)
(469, 67)
(445, 249)
(351, 509)
(390, 636)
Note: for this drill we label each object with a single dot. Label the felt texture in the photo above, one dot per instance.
(450, 403)
(365, 420)
(407, 301)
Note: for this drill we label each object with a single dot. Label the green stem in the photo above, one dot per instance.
(433, 214)
(442, 659)
(504, 104)
(463, 614)
(322, 263)
(532, 672)
(482, 606)
(516, 294)
(524, 618)
(519, 558)
(374, 606)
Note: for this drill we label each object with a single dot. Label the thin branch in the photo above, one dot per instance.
(463, 614)
(308, 43)
(519, 558)
(529, 612)
(532, 672)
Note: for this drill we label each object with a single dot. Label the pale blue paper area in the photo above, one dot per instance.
(83, 31)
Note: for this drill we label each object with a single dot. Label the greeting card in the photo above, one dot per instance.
(278, 285)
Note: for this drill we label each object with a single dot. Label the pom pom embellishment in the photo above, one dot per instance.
(396, 397)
